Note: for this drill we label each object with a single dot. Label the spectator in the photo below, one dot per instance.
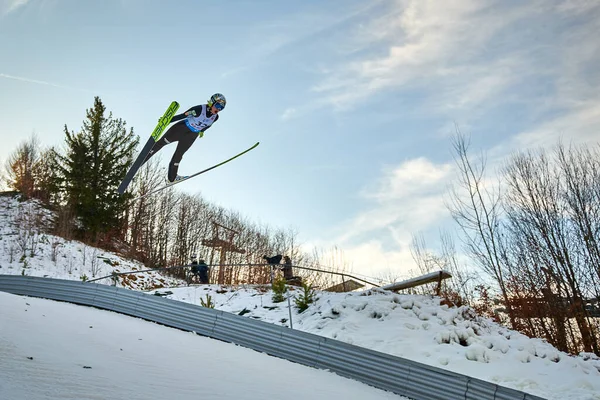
(200, 269)
(203, 272)
(287, 268)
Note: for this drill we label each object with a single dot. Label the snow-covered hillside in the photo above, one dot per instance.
(414, 327)
(26, 250)
(420, 329)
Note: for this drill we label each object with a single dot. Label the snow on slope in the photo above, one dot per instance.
(414, 327)
(54, 257)
(84, 353)
(420, 329)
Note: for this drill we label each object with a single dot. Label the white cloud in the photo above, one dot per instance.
(413, 177)
(408, 198)
(466, 55)
(463, 58)
(426, 41)
(8, 6)
(579, 124)
(270, 37)
(573, 107)
(369, 259)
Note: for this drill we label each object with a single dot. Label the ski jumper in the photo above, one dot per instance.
(192, 124)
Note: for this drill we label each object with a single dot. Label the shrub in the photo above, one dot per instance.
(306, 297)
(279, 288)
(208, 303)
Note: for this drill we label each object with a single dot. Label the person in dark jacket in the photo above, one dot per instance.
(203, 272)
(200, 269)
(288, 273)
(191, 125)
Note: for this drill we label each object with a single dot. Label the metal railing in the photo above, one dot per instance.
(401, 376)
(114, 275)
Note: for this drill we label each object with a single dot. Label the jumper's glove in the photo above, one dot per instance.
(191, 113)
(200, 134)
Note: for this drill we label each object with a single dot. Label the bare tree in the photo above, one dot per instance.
(56, 244)
(141, 215)
(94, 264)
(550, 222)
(476, 209)
(29, 223)
(461, 288)
(581, 171)
(21, 165)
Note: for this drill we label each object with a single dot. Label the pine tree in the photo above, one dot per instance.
(90, 171)
(45, 172)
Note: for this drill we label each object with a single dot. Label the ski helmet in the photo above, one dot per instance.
(217, 100)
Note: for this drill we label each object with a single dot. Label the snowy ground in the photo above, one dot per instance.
(420, 329)
(52, 350)
(26, 250)
(414, 327)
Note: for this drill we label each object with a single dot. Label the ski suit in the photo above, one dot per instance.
(192, 124)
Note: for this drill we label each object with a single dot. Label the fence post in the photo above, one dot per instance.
(290, 310)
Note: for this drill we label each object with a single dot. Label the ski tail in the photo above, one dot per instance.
(197, 173)
(163, 122)
(224, 162)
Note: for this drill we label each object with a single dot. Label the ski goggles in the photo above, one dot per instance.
(218, 106)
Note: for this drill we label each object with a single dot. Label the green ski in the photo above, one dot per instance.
(163, 122)
(151, 192)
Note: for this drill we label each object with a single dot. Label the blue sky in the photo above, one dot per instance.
(354, 102)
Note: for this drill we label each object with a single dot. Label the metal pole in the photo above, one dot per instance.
(290, 310)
